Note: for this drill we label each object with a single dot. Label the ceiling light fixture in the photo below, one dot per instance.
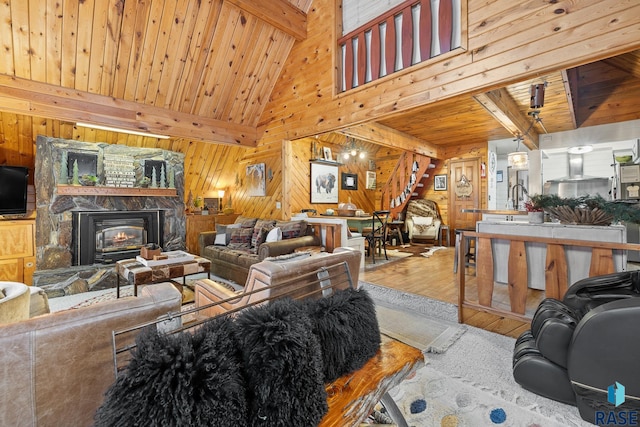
(353, 151)
(518, 160)
(114, 129)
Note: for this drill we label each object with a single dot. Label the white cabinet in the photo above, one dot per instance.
(578, 259)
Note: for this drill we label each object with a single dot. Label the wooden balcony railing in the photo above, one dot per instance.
(410, 33)
(556, 270)
(403, 181)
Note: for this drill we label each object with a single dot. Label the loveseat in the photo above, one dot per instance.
(55, 368)
(233, 249)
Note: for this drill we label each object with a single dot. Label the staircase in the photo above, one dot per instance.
(407, 181)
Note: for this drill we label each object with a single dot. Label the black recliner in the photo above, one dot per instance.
(578, 347)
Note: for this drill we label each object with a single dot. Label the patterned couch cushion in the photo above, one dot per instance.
(241, 239)
(291, 229)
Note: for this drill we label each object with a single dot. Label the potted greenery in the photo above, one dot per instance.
(535, 212)
(593, 210)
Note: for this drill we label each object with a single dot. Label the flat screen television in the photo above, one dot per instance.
(13, 189)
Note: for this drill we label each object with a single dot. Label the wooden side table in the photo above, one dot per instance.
(195, 225)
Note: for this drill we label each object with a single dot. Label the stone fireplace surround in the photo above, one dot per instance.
(55, 272)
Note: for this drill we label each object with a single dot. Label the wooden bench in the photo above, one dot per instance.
(556, 270)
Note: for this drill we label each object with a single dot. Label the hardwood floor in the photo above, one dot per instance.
(433, 277)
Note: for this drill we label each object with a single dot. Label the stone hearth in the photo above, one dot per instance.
(54, 270)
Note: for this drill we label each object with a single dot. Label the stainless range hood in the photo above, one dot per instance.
(577, 184)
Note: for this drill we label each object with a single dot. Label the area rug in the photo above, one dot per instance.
(470, 383)
(414, 320)
(393, 255)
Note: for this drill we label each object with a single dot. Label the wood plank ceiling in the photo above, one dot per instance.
(204, 70)
(201, 70)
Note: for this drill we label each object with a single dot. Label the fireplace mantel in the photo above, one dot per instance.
(77, 190)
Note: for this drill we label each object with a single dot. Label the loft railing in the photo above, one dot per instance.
(410, 33)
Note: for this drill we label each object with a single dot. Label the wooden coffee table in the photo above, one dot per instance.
(136, 273)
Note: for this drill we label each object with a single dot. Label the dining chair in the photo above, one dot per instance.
(378, 234)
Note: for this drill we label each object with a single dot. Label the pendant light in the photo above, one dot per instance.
(518, 160)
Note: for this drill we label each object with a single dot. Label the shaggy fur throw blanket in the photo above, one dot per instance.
(347, 327)
(180, 380)
(283, 365)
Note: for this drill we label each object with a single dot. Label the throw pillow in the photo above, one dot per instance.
(347, 328)
(282, 365)
(292, 229)
(221, 235)
(240, 239)
(180, 380)
(274, 235)
(246, 222)
(258, 231)
(422, 220)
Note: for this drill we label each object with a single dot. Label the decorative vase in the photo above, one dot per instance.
(536, 217)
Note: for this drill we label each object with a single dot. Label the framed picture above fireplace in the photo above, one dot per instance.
(160, 168)
(87, 163)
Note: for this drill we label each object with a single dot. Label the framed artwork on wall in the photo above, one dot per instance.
(440, 182)
(327, 153)
(371, 180)
(323, 183)
(349, 181)
(256, 181)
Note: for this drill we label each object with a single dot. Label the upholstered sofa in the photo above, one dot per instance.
(233, 249)
(422, 220)
(281, 278)
(57, 367)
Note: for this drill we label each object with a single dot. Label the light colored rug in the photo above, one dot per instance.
(471, 383)
(414, 320)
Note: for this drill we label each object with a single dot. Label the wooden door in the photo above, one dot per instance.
(464, 193)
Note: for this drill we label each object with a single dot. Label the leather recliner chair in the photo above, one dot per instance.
(578, 347)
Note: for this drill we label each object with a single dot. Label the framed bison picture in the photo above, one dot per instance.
(324, 180)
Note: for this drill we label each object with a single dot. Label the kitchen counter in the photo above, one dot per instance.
(578, 260)
(494, 211)
(499, 214)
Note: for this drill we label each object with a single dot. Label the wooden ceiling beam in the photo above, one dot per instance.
(504, 109)
(278, 13)
(21, 96)
(570, 82)
(378, 134)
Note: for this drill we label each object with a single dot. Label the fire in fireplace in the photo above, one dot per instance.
(108, 236)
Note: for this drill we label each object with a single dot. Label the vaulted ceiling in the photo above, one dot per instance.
(204, 70)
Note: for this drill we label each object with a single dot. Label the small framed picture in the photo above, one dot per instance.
(499, 177)
(326, 151)
(371, 180)
(349, 181)
(440, 182)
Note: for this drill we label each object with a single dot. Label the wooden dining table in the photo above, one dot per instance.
(354, 222)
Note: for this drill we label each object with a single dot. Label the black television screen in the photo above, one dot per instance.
(13, 189)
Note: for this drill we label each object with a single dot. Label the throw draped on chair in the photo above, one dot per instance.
(422, 220)
(378, 234)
